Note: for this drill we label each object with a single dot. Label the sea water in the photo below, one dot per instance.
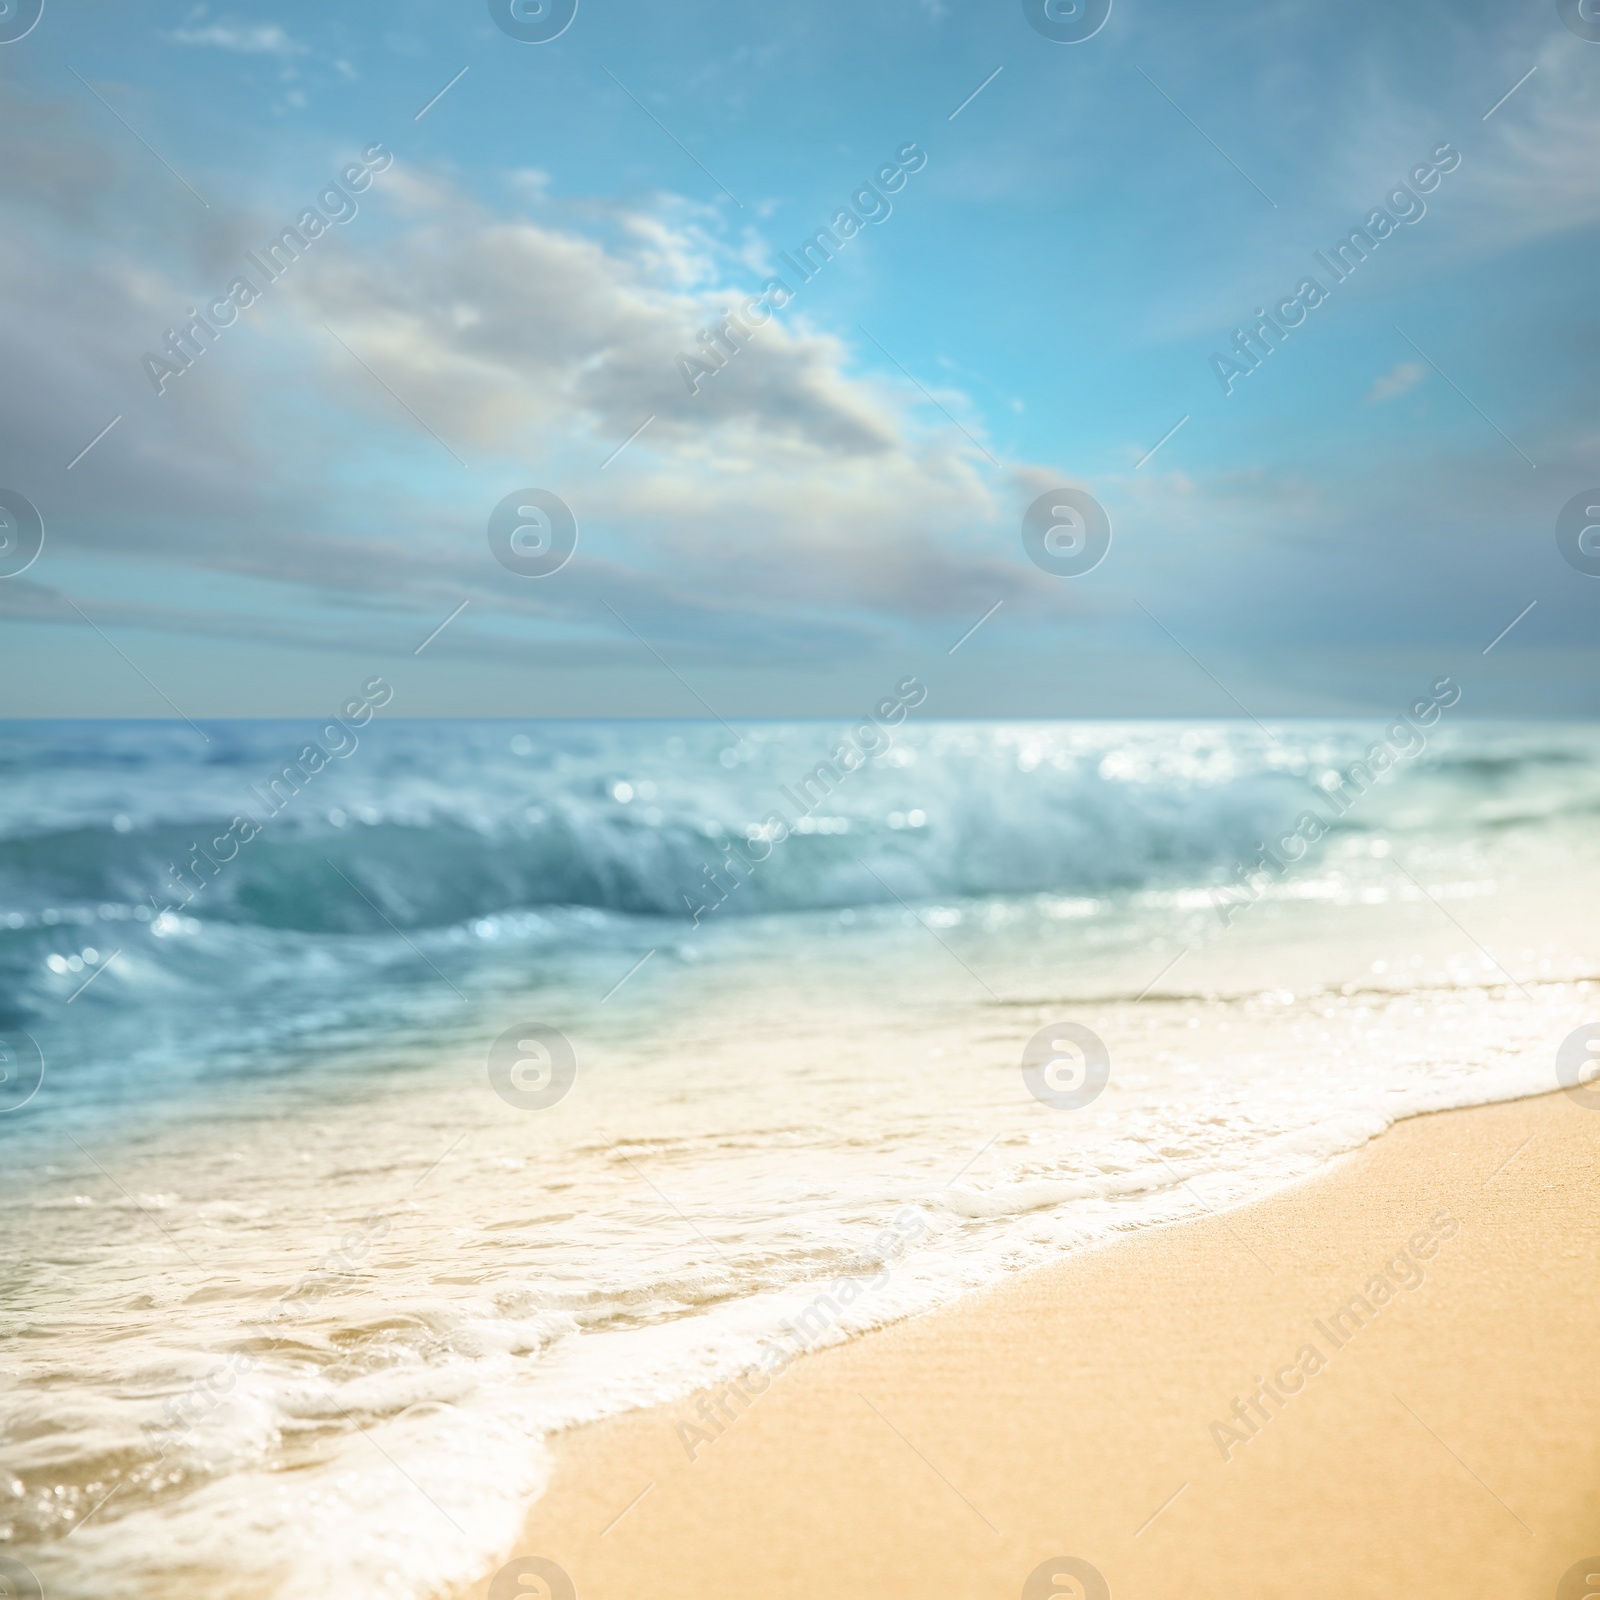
(363, 1123)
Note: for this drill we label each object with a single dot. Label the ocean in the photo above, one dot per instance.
(378, 1098)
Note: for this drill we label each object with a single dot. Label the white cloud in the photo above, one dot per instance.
(257, 39)
(1402, 376)
(788, 474)
(797, 503)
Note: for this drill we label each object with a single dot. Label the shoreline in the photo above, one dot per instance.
(1327, 1391)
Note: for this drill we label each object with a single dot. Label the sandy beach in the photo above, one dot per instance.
(1369, 1384)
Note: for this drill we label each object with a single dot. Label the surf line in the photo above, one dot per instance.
(342, 742)
(1405, 740)
(867, 740)
(182, 1413)
(718, 1408)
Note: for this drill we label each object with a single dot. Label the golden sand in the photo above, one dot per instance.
(1443, 1442)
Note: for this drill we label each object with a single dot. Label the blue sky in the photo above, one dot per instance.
(833, 509)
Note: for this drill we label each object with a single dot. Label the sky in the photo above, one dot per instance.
(516, 273)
